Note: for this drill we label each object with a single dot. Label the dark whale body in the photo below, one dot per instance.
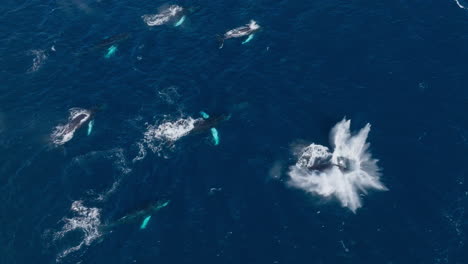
(112, 40)
(149, 209)
(203, 125)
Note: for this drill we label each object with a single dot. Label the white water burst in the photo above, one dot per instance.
(345, 173)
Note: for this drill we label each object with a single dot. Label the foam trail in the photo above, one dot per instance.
(172, 131)
(248, 39)
(460, 5)
(158, 138)
(343, 174)
(90, 127)
(87, 220)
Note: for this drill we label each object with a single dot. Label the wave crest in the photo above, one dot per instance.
(345, 173)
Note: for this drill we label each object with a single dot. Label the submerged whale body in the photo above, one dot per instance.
(112, 40)
(205, 124)
(147, 210)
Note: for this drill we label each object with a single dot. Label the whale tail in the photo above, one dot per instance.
(220, 41)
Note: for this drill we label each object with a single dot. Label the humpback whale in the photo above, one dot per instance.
(173, 13)
(106, 43)
(147, 211)
(205, 124)
(78, 117)
(111, 40)
(246, 30)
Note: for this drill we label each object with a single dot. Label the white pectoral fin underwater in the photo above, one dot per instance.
(248, 39)
(145, 222)
(111, 51)
(214, 133)
(180, 22)
(213, 130)
(90, 127)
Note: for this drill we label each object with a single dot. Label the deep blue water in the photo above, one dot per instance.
(399, 65)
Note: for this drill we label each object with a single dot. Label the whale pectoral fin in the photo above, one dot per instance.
(110, 51)
(145, 222)
(90, 127)
(204, 115)
(248, 39)
(215, 134)
(181, 20)
(220, 40)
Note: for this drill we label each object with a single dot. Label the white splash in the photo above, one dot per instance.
(163, 17)
(156, 138)
(64, 133)
(345, 173)
(87, 221)
(460, 5)
(38, 60)
(171, 131)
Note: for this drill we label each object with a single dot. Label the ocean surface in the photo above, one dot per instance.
(400, 66)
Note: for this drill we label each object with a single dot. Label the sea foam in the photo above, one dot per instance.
(162, 136)
(87, 221)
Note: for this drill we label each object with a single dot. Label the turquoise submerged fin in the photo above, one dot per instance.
(110, 51)
(248, 39)
(90, 127)
(204, 115)
(181, 20)
(145, 222)
(214, 133)
(162, 205)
